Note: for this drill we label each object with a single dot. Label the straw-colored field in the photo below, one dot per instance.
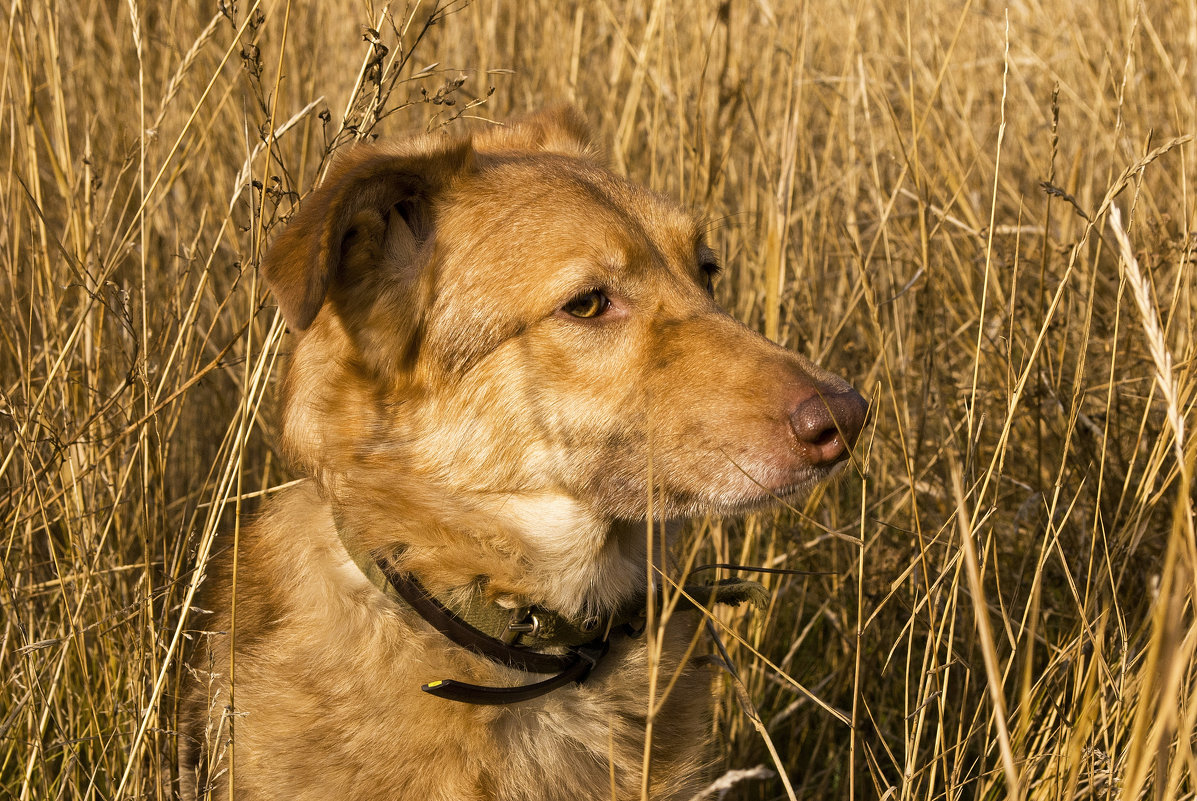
(924, 196)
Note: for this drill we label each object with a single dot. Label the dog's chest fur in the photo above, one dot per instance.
(328, 701)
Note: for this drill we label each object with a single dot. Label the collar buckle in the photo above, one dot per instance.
(523, 621)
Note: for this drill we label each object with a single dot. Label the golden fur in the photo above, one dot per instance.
(441, 397)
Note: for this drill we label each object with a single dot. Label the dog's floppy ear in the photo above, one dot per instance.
(304, 260)
(556, 129)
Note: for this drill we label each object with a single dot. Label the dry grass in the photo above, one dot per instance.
(921, 195)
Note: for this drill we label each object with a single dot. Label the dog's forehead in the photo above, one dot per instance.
(549, 202)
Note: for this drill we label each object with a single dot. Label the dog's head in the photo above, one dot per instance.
(499, 326)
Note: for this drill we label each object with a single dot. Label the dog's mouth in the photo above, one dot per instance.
(757, 494)
(818, 475)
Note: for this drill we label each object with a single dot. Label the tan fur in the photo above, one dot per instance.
(442, 400)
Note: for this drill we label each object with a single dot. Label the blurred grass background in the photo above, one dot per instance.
(917, 194)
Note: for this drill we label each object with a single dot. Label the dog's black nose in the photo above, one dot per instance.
(826, 425)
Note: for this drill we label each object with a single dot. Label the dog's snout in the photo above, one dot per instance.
(826, 425)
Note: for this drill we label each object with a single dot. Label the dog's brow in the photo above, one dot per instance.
(608, 273)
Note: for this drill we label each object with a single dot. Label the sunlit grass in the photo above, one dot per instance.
(921, 196)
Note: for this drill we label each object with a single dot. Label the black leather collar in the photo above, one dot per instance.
(573, 666)
(582, 642)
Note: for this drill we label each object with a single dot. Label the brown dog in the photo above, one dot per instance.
(499, 342)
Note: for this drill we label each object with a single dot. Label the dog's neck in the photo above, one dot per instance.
(525, 549)
(583, 560)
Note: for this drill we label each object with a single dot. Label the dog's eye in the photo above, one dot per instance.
(587, 305)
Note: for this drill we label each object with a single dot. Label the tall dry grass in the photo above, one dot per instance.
(980, 212)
